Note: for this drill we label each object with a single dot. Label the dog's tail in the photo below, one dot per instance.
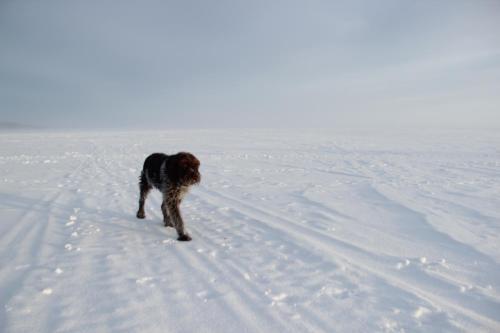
(142, 179)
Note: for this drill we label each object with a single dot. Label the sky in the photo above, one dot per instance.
(246, 64)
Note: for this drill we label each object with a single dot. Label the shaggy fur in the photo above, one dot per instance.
(172, 175)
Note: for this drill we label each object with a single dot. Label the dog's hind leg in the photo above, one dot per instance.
(144, 188)
(166, 218)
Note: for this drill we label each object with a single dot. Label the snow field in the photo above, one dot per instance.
(293, 231)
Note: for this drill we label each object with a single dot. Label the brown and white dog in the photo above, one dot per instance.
(172, 175)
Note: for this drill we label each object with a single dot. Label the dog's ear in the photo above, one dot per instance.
(174, 171)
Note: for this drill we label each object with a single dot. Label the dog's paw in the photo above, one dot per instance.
(184, 238)
(140, 215)
(168, 224)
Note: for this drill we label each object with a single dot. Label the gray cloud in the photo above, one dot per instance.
(250, 64)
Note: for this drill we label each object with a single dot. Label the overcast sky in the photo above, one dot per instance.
(230, 63)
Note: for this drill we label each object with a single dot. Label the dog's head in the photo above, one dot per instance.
(182, 169)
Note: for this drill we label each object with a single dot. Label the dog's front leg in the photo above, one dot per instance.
(175, 215)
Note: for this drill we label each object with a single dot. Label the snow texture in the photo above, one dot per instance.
(293, 231)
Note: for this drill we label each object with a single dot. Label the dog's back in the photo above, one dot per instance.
(151, 171)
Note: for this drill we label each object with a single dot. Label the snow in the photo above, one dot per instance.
(293, 231)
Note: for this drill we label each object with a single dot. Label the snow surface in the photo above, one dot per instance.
(293, 231)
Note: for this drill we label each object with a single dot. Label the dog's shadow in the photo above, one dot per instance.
(46, 208)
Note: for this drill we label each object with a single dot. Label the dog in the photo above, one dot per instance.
(172, 175)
